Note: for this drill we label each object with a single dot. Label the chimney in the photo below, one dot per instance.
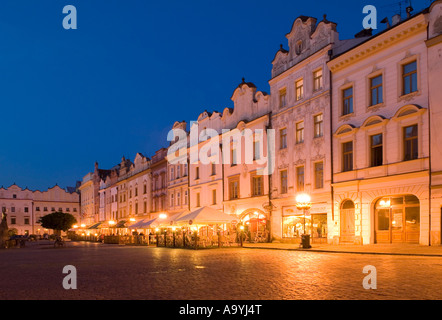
(385, 20)
(364, 33)
(395, 19)
(409, 10)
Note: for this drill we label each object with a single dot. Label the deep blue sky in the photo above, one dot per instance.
(117, 84)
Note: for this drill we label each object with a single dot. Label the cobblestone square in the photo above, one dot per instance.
(146, 273)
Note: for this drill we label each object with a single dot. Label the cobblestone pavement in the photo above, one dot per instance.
(118, 272)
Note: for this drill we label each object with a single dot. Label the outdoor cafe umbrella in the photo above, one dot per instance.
(138, 224)
(147, 224)
(171, 221)
(205, 216)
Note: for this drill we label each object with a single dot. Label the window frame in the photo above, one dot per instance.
(281, 140)
(316, 177)
(315, 88)
(283, 189)
(300, 88)
(344, 99)
(345, 154)
(299, 131)
(413, 138)
(318, 123)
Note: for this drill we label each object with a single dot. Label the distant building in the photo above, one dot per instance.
(24, 207)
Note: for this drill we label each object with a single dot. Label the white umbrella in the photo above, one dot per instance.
(206, 215)
(171, 221)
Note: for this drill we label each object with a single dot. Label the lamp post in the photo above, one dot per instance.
(241, 227)
(303, 202)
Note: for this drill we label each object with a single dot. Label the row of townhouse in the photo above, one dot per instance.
(25, 207)
(353, 123)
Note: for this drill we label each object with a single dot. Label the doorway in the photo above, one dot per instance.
(397, 219)
(347, 222)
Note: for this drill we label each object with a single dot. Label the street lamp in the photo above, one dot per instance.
(303, 202)
(241, 227)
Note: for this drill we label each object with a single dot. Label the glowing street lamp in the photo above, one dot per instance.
(162, 216)
(303, 202)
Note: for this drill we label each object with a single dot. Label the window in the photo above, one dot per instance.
(198, 200)
(178, 199)
(37, 208)
(317, 80)
(234, 157)
(172, 173)
(410, 143)
(376, 150)
(409, 78)
(14, 196)
(282, 98)
(300, 132)
(136, 207)
(185, 170)
(197, 173)
(214, 196)
(347, 100)
(257, 186)
(376, 90)
(318, 125)
(256, 150)
(26, 209)
(319, 175)
(284, 186)
(45, 209)
(185, 197)
(213, 168)
(300, 178)
(171, 200)
(178, 169)
(234, 188)
(75, 210)
(298, 47)
(299, 86)
(67, 210)
(145, 188)
(13, 220)
(145, 206)
(12, 209)
(283, 138)
(347, 156)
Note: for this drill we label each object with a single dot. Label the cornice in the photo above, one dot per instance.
(378, 43)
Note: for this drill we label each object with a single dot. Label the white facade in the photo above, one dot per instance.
(25, 207)
(381, 138)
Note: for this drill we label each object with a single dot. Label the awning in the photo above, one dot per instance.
(148, 224)
(206, 215)
(137, 225)
(171, 221)
(95, 226)
(120, 224)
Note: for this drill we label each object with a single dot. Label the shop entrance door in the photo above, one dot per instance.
(397, 219)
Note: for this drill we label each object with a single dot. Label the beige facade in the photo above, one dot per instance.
(381, 138)
(300, 98)
(25, 207)
(353, 123)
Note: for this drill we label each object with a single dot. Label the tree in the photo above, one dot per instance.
(58, 221)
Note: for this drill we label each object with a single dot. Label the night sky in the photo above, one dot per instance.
(116, 85)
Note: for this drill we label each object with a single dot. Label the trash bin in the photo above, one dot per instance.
(305, 241)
